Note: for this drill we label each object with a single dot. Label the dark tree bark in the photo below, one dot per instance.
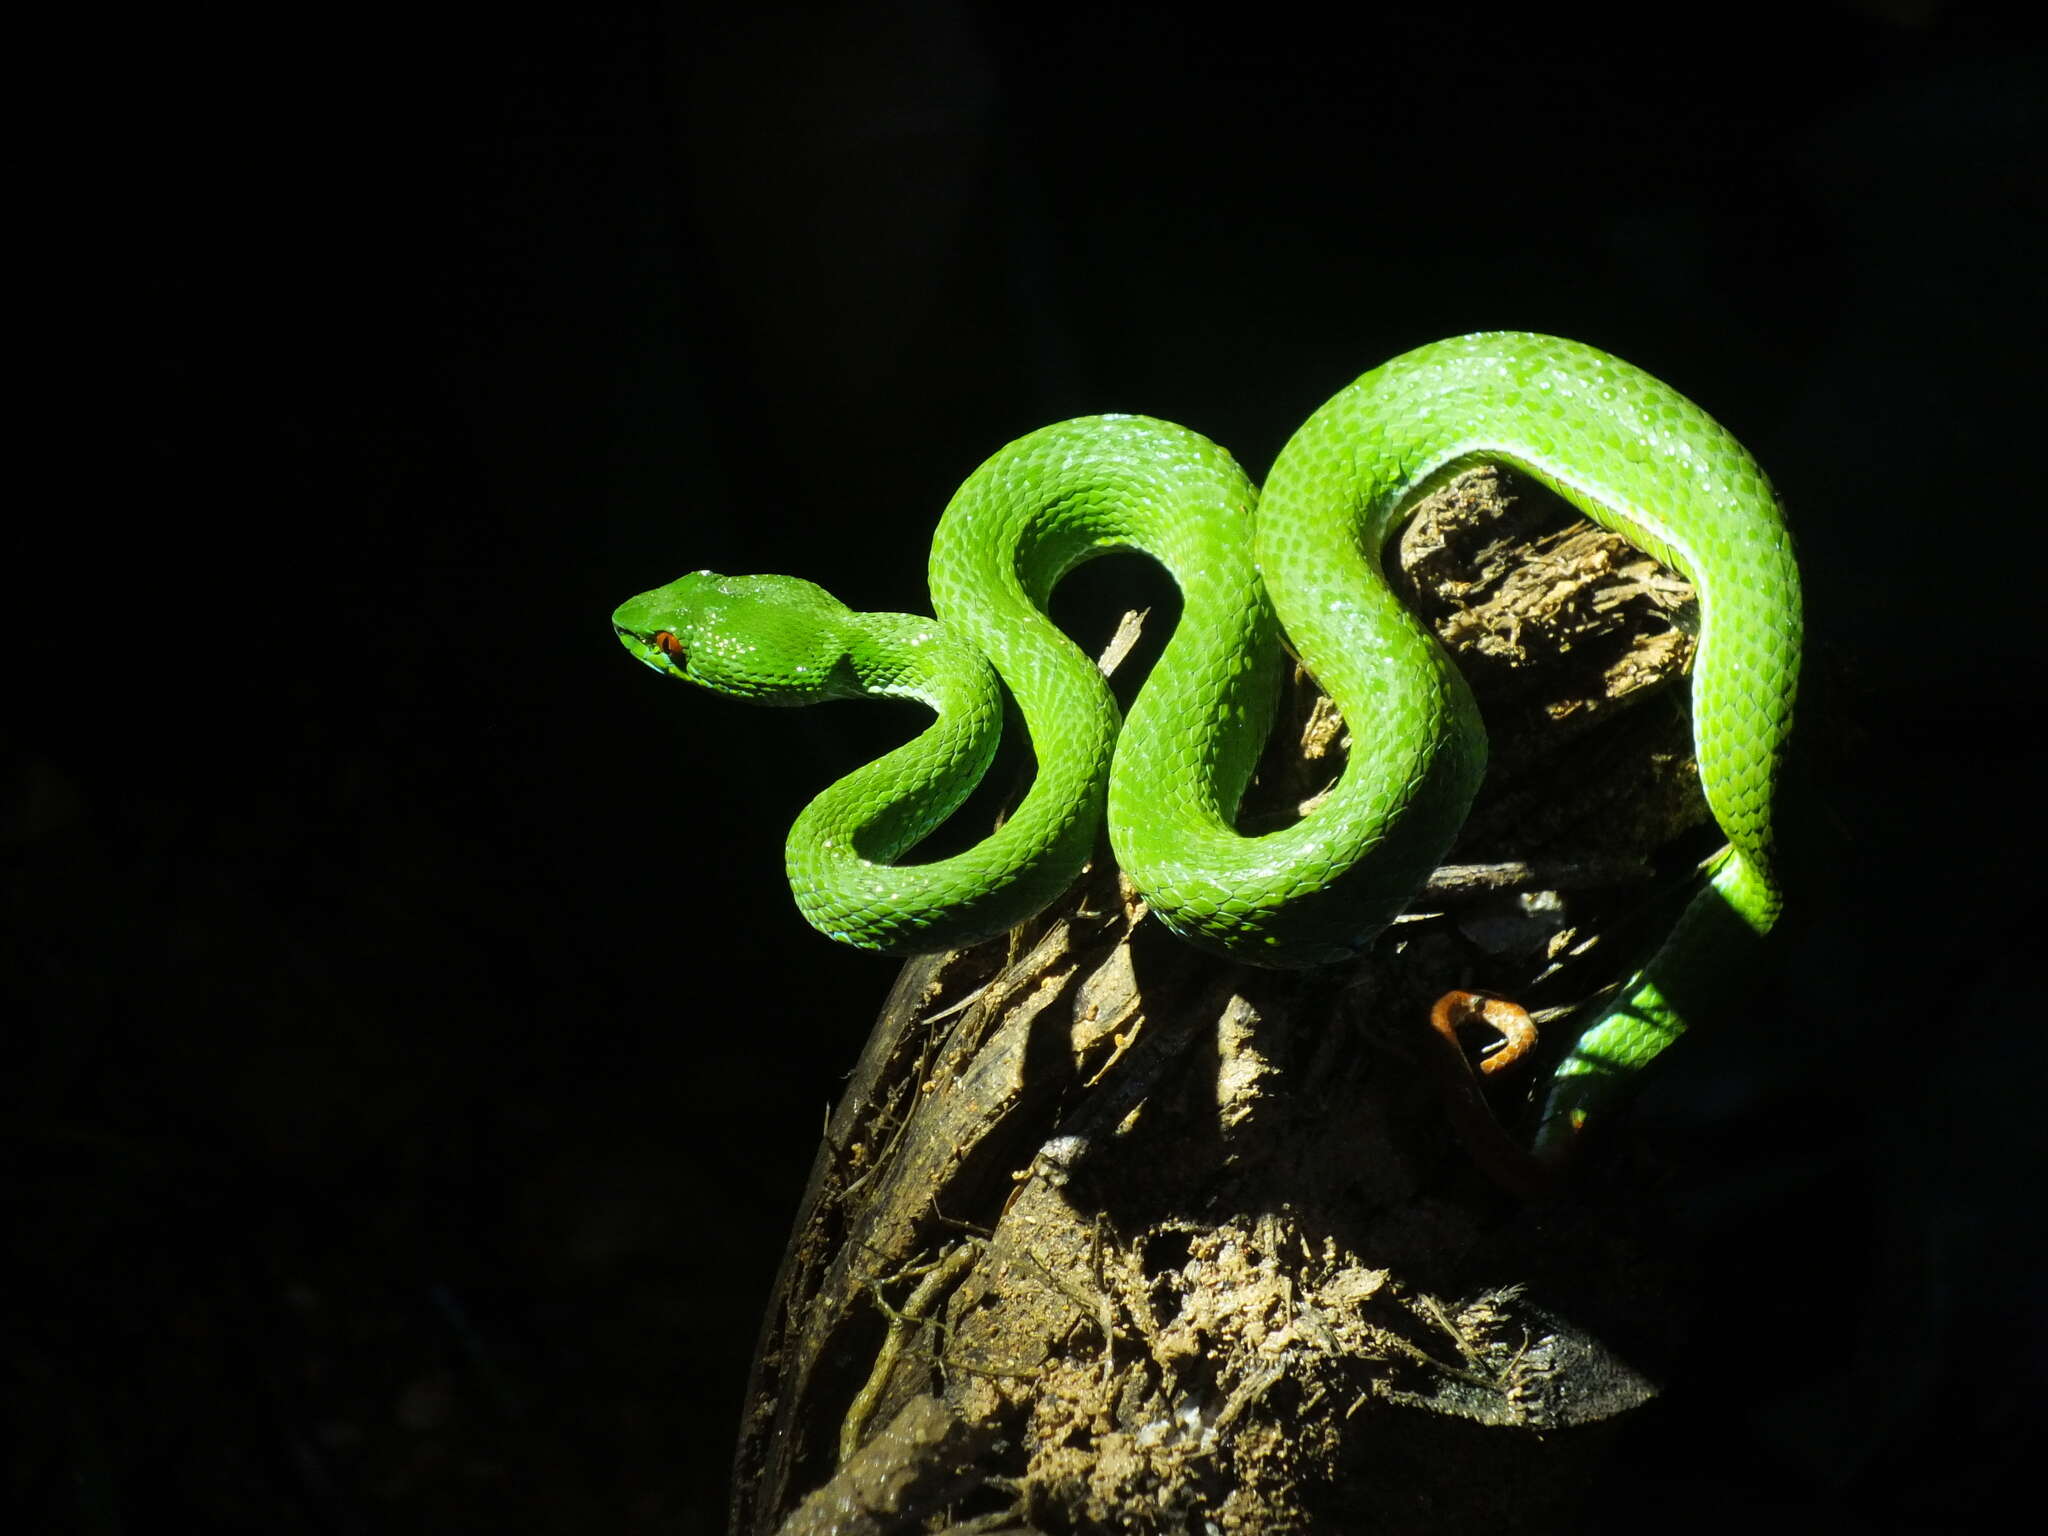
(1109, 1234)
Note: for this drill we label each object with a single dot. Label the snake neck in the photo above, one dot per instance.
(881, 811)
(845, 854)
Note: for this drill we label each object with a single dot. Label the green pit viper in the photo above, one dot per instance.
(1300, 559)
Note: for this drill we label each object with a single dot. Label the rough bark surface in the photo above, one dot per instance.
(1108, 1234)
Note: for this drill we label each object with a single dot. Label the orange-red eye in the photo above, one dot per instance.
(665, 641)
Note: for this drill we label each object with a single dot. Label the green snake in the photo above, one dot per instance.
(1303, 558)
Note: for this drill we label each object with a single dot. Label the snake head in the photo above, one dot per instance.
(766, 639)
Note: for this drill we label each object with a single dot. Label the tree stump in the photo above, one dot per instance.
(1109, 1234)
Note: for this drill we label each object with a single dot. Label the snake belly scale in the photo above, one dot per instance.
(1303, 558)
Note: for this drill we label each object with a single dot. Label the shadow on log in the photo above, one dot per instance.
(1110, 1234)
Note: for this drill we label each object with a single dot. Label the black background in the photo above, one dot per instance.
(422, 1058)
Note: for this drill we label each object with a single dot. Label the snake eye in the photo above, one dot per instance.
(664, 641)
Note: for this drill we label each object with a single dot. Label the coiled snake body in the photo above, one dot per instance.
(1303, 557)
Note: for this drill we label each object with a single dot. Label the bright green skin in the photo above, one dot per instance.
(1628, 451)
